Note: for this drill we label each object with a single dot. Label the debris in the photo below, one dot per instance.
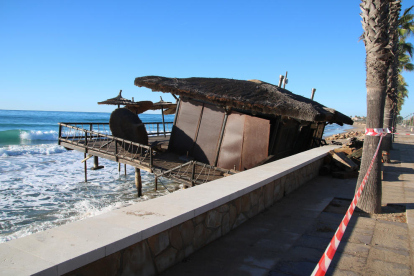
(342, 161)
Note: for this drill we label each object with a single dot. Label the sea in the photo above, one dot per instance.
(42, 184)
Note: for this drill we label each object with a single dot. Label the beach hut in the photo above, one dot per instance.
(221, 126)
(237, 124)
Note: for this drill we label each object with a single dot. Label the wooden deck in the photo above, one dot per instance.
(154, 158)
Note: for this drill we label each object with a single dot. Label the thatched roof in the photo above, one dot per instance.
(139, 107)
(253, 96)
(118, 100)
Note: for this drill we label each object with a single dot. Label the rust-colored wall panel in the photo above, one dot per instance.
(186, 126)
(231, 146)
(205, 148)
(256, 141)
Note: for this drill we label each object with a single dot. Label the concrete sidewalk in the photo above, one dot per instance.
(290, 237)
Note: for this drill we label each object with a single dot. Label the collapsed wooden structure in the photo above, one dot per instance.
(221, 126)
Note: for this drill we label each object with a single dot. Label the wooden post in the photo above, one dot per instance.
(280, 80)
(313, 93)
(86, 169)
(151, 160)
(138, 182)
(125, 169)
(156, 183)
(96, 164)
(285, 81)
(119, 167)
(163, 123)
(60, 133)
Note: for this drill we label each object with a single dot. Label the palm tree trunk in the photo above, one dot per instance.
(392, 73)
(375, 24)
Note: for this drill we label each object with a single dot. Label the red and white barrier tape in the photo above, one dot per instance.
(327, 257)
(384, 131)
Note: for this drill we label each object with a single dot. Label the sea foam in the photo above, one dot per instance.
(39, 135)
(44, 149)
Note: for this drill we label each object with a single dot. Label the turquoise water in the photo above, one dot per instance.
(42, 184)
(38, 127)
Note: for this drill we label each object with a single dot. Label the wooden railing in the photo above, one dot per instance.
(80, 136)
(153, 128)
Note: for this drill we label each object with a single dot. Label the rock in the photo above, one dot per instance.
(213, 219)
(187, 232)
(165, 260)
(137, 260)
(175, 238)
(159, 242)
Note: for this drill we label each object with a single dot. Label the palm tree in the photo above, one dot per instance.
(402, 52)
(376, 39)
(392, 72)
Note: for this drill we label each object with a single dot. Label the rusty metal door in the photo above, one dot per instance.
(232, 144)
(255, 141)
(205, 147)
(186, 126)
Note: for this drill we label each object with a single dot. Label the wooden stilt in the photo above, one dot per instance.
(119, 167)
(138, 182)
(96, 164)
(156, 183)
(86, 169)
(125, 169)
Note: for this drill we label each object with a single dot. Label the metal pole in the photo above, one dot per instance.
(313, 93)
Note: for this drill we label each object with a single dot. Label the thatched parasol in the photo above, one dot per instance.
(253, 96)
(169, 106)
(117, 100)
(139, 107)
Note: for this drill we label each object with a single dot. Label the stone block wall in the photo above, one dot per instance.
(155, 254)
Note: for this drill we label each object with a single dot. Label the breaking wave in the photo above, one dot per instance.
(16, 136)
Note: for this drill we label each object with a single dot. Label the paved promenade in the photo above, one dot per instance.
(291, 236)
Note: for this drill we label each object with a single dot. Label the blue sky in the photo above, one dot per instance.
(68, 55)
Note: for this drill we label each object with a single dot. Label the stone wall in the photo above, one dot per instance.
(158, 252)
